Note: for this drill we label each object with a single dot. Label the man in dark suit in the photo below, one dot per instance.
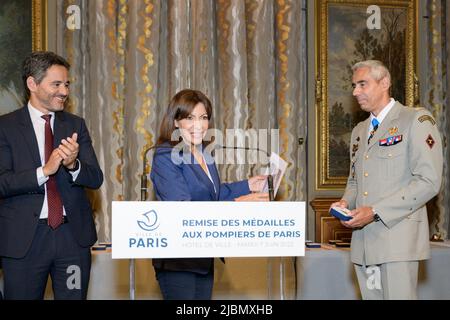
(46, 162)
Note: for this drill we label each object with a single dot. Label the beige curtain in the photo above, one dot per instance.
(447, 113)
(131, 56)
(436, 100)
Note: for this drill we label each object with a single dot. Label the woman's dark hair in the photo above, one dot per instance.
(180, 107)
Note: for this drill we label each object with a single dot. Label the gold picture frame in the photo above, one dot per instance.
(39, 24)
(23, 29)
(342, 38)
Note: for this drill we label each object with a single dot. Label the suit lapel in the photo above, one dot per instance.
(214, 174)
(363, 136)
(59, 129)
(29, 135)
(203, 176)
(365, 130)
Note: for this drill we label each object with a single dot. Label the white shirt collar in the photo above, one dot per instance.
(35, 114)
(383, 112)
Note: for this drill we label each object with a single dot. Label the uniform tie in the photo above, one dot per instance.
(55, 206)
(375, 124)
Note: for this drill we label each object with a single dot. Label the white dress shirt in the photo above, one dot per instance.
(39, 130)
(381, 115)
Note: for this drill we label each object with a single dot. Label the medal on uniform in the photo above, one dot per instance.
(393, 131)
(353, 169)
(390, 141)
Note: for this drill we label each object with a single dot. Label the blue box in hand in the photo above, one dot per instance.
(341, 213)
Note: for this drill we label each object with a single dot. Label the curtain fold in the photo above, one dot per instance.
(232, 108)
(436, 102)
(288, 86)
(178, 43)
(447, 109)
(261, 74)
(203, 53)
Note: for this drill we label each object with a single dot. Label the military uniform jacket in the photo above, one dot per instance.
(397, 173)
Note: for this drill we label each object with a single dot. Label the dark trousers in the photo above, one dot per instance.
(183, 285)
(55, 253)
(1, 294)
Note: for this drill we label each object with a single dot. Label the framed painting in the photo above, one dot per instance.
(349, 31)
(23, 26)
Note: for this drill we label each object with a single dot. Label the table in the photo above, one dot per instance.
(239, 278)
(324, 273)
(327, 273)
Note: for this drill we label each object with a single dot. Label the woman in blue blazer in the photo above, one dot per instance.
(187, 173)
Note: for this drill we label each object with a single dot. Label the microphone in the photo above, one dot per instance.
(269, 176)
(144, 164)
(270, 186)
(144, 176)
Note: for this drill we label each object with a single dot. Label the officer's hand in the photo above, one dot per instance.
(361, 217)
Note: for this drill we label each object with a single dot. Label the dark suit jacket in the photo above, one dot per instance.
(186, 181)
(21, 198)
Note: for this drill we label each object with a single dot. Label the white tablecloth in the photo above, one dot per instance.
(325, 273)
(328, 273)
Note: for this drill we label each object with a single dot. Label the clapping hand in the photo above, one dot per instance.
(69, 149)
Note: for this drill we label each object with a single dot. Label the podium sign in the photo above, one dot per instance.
(182, 229)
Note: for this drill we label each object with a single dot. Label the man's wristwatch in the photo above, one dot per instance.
(76, 167)
(376, 217)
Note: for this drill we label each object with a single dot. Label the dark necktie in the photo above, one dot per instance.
(55, 206)
(375, 124)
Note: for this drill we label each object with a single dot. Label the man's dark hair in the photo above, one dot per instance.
(36, 65)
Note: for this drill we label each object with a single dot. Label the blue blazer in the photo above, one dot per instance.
(185, 180)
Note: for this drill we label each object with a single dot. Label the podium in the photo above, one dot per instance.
(181, 229)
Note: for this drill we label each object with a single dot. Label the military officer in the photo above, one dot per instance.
(396, 168)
